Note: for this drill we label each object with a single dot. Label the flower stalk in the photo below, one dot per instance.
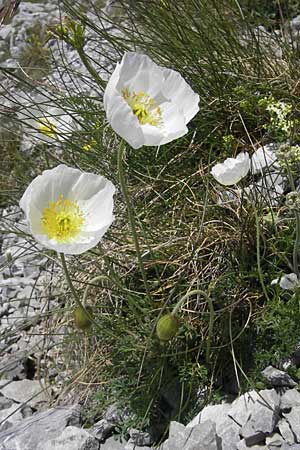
(211, 315)
(73, 290)
(131, 216)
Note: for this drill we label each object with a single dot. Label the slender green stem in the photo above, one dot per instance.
(260, 274)
(73, 290)
(90, 68)
(296, 245)
(297, 217)
(131, 216)
(211, 314)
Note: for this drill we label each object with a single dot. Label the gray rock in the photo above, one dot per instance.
(274, 441)
(177, 433)
(263, 418)
(5, 403)
(102, 429)
(10, 416)
(285, 431)
(278, 378)
(286, 446)
(290, 398)
(25, 391)
(216, 413)
(28, 433)
(226, 428)
(200, 437)
(140, 438)
(229, 434)
(295, 23)
(242, 407)
(293, 419)
(112, 444)
(243, 446)
(71, 438)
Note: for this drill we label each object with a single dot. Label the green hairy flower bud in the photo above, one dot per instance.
(167, 327)
(293, 200)
(81, 318)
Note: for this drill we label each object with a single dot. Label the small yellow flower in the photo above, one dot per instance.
(89, 146)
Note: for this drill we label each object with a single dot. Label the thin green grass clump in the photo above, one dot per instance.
(191, 249)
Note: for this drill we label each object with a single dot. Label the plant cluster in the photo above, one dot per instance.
(184, 284)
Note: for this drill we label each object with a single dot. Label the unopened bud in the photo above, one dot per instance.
(81, 317)
(167, 327)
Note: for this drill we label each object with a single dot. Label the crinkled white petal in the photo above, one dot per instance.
(173, 126)
(125, 123)
(169, 91)
(287, 282)
(232, 170)
(139, 73)
(263, 157)
(176, 89)
(92, 193)
(111, 91)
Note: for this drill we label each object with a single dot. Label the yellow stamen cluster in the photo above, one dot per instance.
(46, 127)
(89, 146)
(143, 107)
(62, 220)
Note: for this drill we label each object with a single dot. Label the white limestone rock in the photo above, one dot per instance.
(72, 438)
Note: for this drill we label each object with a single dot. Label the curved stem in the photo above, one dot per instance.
(211, 314)
(131, 216)
(260, 274)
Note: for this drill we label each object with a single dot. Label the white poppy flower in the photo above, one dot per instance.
(232, 170)
(147, 104)
(46, 122)
(263, 157)
(287, 282)
(68, 210)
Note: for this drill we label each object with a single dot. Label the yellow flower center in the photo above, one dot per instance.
(143, 107)
(62, 220)
(46, 127)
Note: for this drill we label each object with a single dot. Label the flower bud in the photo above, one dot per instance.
(293, 200)
(167, 327)
(81, 318)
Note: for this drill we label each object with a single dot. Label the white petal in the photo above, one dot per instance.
(289, 281)
(263, 157)
(125, 123)
(179, 92)
(110, 90)
(174, 124)
(232, 170)
(139, 73)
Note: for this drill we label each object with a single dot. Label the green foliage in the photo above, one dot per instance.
(277, 329)
(189, 239)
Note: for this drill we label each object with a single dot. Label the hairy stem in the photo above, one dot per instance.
(131, 218)
(90, 68)
(73, 290)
